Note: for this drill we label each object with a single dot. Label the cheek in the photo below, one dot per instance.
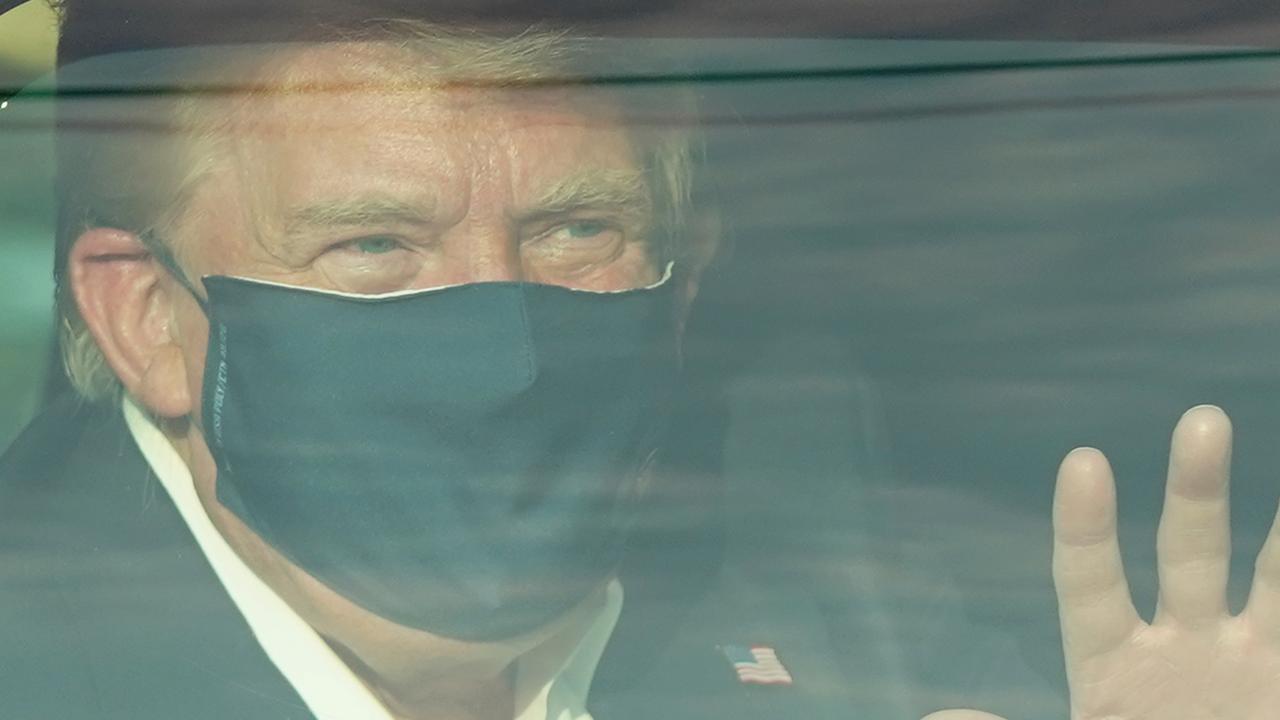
(634, 268)
(637, 266)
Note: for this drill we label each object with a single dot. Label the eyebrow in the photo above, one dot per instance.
(360, 211)
(625, 191)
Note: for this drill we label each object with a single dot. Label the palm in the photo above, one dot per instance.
(1224, 670)
(1194, 660)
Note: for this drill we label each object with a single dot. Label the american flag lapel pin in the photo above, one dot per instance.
(756, 664)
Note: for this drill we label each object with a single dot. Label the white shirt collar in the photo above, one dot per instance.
(551, 681)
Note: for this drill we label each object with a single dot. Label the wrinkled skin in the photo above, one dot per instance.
(346, 182)
(1195, 661)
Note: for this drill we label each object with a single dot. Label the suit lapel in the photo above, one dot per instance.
(127, 591)
(692, 679)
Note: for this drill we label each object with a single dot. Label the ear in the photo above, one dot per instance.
(129, 310)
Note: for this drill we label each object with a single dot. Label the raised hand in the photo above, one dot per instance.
(1194, 661)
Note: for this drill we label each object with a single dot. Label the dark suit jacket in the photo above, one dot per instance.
(108, 609)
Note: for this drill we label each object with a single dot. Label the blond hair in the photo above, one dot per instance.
(138, 174)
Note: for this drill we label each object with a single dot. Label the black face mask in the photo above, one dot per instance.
(465, 461)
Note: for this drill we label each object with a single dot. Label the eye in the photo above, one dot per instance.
(579, 234)
(575, 245)
(374, 245)
(585, 229)
(374, 263)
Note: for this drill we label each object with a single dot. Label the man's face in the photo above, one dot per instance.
(364, 189)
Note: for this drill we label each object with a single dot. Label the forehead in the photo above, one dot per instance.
(374, 115)
(375, 94)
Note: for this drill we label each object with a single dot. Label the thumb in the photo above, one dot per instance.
(961, 715)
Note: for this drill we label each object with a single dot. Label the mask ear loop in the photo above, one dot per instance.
(161, 253)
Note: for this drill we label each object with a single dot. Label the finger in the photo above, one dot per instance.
(1094, 604)
(1263, 609)
(1193, 544)
(961, 715)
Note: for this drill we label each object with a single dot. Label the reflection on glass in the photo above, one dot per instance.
(905, 277)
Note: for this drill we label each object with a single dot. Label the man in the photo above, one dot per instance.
(392, 324)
